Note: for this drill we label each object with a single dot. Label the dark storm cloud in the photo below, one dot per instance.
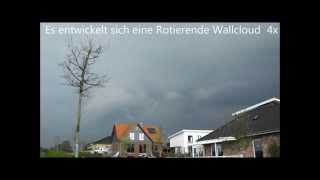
(177, 82)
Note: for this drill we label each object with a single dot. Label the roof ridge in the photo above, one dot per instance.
(217, 130)
(249, 108)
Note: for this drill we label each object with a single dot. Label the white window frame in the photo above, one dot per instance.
(131, 136)
(254, 149)
(141, 136)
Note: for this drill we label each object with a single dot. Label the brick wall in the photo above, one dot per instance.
(235, 148)
(267, 141)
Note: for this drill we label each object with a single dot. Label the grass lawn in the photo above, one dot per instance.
(58, 154)
(62, 154)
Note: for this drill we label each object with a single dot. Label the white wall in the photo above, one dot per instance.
(177, 141)
(194, 138)
(181, 140)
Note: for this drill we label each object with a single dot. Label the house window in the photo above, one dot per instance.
(219, 149)
(155, 147)
(151, 130)
(190, 139)
(178, 150)
(189, 150)
(142, 148)
(141, 136)
(257, 143)
(213, 150)
(130, 148)
(216, 148)
(131, 136)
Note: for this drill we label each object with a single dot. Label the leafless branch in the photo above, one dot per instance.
(77, 66)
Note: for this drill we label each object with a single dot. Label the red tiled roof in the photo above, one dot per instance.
(156, 137)
(121, 131)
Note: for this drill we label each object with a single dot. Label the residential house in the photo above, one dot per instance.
(253, 132)
(136, 139)
(103, 145)
(181, 141)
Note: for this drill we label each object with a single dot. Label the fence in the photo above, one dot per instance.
(230, 156)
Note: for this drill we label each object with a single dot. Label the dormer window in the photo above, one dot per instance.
(151, 130)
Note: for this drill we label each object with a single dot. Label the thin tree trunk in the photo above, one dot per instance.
(78, 126)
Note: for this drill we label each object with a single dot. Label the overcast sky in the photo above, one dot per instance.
(178, 82)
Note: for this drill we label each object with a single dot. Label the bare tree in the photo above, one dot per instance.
(77, 73)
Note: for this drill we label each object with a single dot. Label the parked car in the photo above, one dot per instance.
(116, 154)
(143, 155)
